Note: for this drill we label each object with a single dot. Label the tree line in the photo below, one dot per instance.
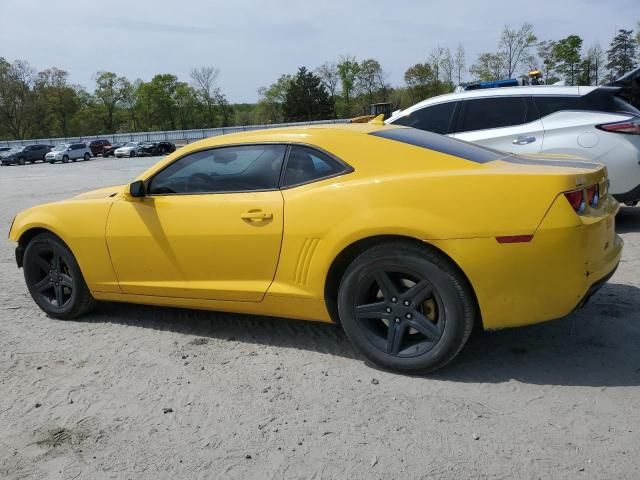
(45, 104)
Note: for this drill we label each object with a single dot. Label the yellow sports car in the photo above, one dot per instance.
(403, 237)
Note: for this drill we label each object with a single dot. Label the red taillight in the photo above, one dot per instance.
(631, 126)
(576, 200)
(592, 196)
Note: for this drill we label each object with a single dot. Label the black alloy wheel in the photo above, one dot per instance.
(399, 311)
(54, 278)
(406, 307)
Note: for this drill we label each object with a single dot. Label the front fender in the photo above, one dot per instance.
(80, 224)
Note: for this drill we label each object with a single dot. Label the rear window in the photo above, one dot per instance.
(442, 144)
(598, 101)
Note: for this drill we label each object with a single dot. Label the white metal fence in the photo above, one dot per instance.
(175, 136)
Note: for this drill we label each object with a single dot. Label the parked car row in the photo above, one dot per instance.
(67, 152)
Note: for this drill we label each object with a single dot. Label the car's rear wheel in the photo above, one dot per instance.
(87, 157)
(406, 307)
(54, 278)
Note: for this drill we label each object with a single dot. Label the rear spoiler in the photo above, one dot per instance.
(629, 85)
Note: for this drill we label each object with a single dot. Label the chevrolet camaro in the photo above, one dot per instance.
(405, 238)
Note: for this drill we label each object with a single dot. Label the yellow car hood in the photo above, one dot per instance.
(100, 193)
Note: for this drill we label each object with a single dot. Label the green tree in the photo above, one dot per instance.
(546, 51)
(567, 51)
(110, 90)
(621, 55)
(420, 79)
(328, 73)
(52, 87)
(371, 79)
(515, 47)
(489, 66)
(306, 98)
(271, 100)
(348, 70)
(17, 99)
(592, 66)
(204, 82)
(459, 63)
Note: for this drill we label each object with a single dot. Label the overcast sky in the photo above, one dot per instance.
(255, 41)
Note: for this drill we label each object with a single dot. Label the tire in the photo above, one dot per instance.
(631, 204)
(419, 292)
(65, 159)
(21, 161)
(132, 154)
(54, 279)
(87, 157)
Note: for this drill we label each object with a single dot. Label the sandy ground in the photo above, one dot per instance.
(254, 397)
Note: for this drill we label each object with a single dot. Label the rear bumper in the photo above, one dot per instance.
(567, 261)
(597, 285)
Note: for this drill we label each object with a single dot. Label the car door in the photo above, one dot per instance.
(508, 123)
(210, 227)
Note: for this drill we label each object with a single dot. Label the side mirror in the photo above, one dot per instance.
(137, 189)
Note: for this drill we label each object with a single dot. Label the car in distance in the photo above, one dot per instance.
(403, 237)
(593, 123)
(66, 152)
(98, 147)
(157, 148)
(24, 154)
(110, 152)
(130, 149)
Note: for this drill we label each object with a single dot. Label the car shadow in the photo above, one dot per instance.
(596, 346)
(628, 220)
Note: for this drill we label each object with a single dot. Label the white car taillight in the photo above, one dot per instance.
(631, 126)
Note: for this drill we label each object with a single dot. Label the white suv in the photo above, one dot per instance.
(588, 122)
(68, 151)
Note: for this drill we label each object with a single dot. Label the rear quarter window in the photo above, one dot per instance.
(496, 112)
(596, 101)
(434, 118)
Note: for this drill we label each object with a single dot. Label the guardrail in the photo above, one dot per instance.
(175, 136)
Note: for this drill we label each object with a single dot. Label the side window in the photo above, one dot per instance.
(497, 112)
(306, 164)
(436, 118)
(226, 169)
(548, 105)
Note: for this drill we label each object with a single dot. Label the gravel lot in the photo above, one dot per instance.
(255, 397)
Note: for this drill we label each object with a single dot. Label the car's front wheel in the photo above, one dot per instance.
(133, 153)
(65, 159)
(87, 157)
(22, 161)
(54, 278)
(406, 307)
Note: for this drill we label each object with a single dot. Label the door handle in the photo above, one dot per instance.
(256, 216)
(523, 140)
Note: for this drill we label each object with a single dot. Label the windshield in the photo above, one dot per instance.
(15, 150)
(59, 148)
(131, 144)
